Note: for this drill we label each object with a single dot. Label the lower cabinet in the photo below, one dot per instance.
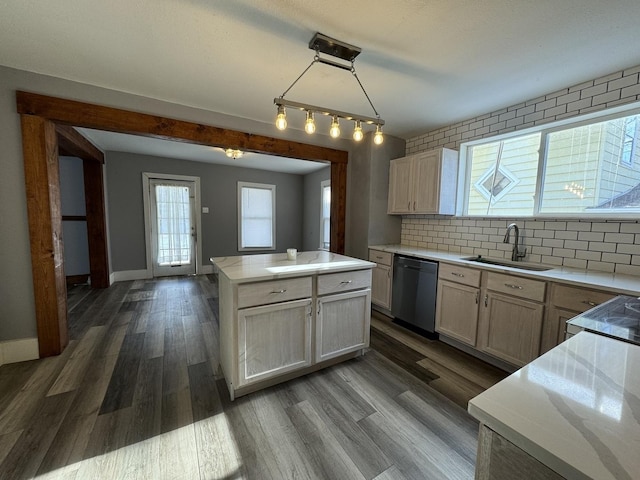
(457, 311)
(342, 324)
(381, 277)
(511, 328)
(274, 339)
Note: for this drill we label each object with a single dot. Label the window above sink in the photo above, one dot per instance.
(585, 167)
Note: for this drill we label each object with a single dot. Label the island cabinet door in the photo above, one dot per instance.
(342, 324)
(273, 340)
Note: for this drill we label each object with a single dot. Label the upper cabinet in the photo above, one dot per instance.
(425, 182)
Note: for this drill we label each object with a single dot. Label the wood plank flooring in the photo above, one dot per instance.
(137, 395)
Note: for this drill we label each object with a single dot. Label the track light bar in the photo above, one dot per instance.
(281, 102)
(330, 46)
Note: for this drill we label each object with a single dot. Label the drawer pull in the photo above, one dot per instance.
(280, 291)
(378, 257)
(346, 282)
(457, 274)
(511, 285)
(591, 304)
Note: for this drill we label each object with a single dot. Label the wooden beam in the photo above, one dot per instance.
(96, 223)
(79, 114)
(72, 143)
(40, 151)
(338, 207)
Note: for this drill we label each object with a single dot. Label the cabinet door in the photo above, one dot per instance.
(381, 286)
(426, 178)
(273, 339)
(457, 312)
(400, 186)
(511, 328)
(556, 324)
(342, 324)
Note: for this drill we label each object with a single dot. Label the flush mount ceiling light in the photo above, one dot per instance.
(330, 46)
(233, 153)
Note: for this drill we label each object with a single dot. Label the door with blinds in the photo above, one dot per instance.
(173, 227)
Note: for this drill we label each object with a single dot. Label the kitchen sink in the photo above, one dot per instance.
(507, 263)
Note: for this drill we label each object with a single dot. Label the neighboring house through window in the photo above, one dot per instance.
(256, 216)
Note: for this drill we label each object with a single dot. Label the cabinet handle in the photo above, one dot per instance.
(511, 285)
(280, 291)
(486, 300)
(477, 297)
(591, 304)
(414, 206)
(378, 257)
(409, 206)
(346, 282)
(457, 274)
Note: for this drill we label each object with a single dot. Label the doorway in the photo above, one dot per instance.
(172, 227)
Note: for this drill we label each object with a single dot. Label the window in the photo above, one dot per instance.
(325, 215)
(578, 168)
(256, 216)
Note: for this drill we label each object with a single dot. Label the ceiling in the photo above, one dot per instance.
(424, 64)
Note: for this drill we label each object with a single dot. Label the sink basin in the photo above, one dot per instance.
(507, 263)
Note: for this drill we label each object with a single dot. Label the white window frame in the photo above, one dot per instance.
(323, 185)
(544, 130)
(263, 186)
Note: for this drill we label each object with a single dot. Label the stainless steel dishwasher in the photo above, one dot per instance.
(413, 298)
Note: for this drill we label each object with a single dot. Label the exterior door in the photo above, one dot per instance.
(173, 227)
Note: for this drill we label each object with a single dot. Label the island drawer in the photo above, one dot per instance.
(516, 286)
(458, 274)
(343, 281)
(273, 291)
(383, 258)
(577, 299)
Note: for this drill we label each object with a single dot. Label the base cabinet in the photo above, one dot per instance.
(342, 324)
(381, 277)
(511, 328)
(457, 311)
(275, 339)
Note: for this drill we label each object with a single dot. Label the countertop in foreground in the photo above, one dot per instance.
(248, 268)
(613, 282)
(576, 408)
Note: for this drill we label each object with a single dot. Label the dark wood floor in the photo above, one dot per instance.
(136, 395)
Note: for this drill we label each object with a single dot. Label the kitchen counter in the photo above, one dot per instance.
(272, 266)
(613, 282)
(575, 409)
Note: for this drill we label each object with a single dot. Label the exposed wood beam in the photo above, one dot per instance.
(40, 151)
(79, 114)
(96, 223)
(72, 143)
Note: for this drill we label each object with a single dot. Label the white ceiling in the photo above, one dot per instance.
(120, 142)
(424, 63)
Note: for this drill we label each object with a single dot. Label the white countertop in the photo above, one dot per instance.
(576, 408)
(248, 268)
(613, 282)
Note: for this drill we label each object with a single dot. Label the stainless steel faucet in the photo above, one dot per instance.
(515, 253)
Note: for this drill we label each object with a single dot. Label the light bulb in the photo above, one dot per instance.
(229, 152)
(378, 138)
(334, 131)
(281, 118)
(357, 132)
(310, 124)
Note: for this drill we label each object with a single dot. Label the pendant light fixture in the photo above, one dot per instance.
(330, 46)
(233, 153)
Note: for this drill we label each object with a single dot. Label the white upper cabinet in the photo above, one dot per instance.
(424, 183)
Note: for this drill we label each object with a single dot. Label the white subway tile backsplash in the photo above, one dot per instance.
(597, 245)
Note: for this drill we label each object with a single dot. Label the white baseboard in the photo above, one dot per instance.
(206, 269)
(19, 350)
(126, 275)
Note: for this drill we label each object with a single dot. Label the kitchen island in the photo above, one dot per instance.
(571, 413)
(282, 318)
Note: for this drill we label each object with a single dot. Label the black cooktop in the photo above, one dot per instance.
(618, 318)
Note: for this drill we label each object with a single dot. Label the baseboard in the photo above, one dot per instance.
(19, 350)
(206, 269)
(126, 275)
(77, 279)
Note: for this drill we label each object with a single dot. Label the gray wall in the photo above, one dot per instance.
(76, 243)
(368, 222)
(17, 310)
(218, 191)
(312, 200)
